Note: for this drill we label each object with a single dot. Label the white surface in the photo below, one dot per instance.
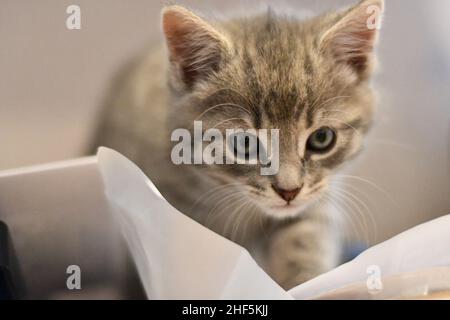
(176, 257)
(425, 246)
(58, 216)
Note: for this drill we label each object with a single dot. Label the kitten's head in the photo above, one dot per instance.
(309, 79)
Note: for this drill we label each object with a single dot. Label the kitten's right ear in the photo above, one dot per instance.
(196, 48)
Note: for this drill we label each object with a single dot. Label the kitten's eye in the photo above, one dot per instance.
(322, 140)
(244, 145)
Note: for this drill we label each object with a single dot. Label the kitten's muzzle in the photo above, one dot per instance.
(287, 195)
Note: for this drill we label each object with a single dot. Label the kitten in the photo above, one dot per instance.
(309, 79)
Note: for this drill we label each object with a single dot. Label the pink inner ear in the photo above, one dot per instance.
(352, 39)
(354, 46)
(177, 31)
(193, 45)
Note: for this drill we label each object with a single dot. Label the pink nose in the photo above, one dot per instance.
(287, 195)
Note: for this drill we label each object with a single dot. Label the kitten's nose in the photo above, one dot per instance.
(287, 195)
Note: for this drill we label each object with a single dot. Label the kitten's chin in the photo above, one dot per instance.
(286, 210)
(283, 211)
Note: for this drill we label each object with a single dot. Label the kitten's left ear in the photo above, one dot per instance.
(352, 38)
(196, 48)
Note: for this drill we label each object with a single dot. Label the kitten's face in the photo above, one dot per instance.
(273, 73)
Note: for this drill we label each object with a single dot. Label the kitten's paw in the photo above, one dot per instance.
(297, 254)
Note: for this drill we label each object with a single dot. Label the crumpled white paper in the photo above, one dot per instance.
(177, 258)
(423, 247)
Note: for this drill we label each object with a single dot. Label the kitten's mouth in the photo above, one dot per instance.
(285, 206)
(279, 209)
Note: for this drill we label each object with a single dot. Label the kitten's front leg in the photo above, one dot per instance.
(300, 251)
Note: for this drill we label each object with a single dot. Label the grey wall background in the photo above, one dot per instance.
(52, 81)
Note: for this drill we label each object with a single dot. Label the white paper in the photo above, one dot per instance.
(58, 216)
(176, 257)
(423, 247)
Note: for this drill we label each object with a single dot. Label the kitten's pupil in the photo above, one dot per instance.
(321, 136)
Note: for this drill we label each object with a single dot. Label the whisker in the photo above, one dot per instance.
(241, 214)
(369, 214)
(354, 211)
(229, 120)
(221, 105)
(370, 183)
(250, 104)
(338, 111)
(316, 108)
(213, 214)
(215, 189)
(349, 222)
(365, 226)
(345, 123)
(232, 219)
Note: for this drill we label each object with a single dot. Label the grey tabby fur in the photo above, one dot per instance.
(263, 71)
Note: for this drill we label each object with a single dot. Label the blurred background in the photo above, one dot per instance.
(52, 81)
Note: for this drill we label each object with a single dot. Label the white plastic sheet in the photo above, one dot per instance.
(426, 246)
(70, 221)
(178, 258)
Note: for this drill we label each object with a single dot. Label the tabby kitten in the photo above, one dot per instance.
(309, 79)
